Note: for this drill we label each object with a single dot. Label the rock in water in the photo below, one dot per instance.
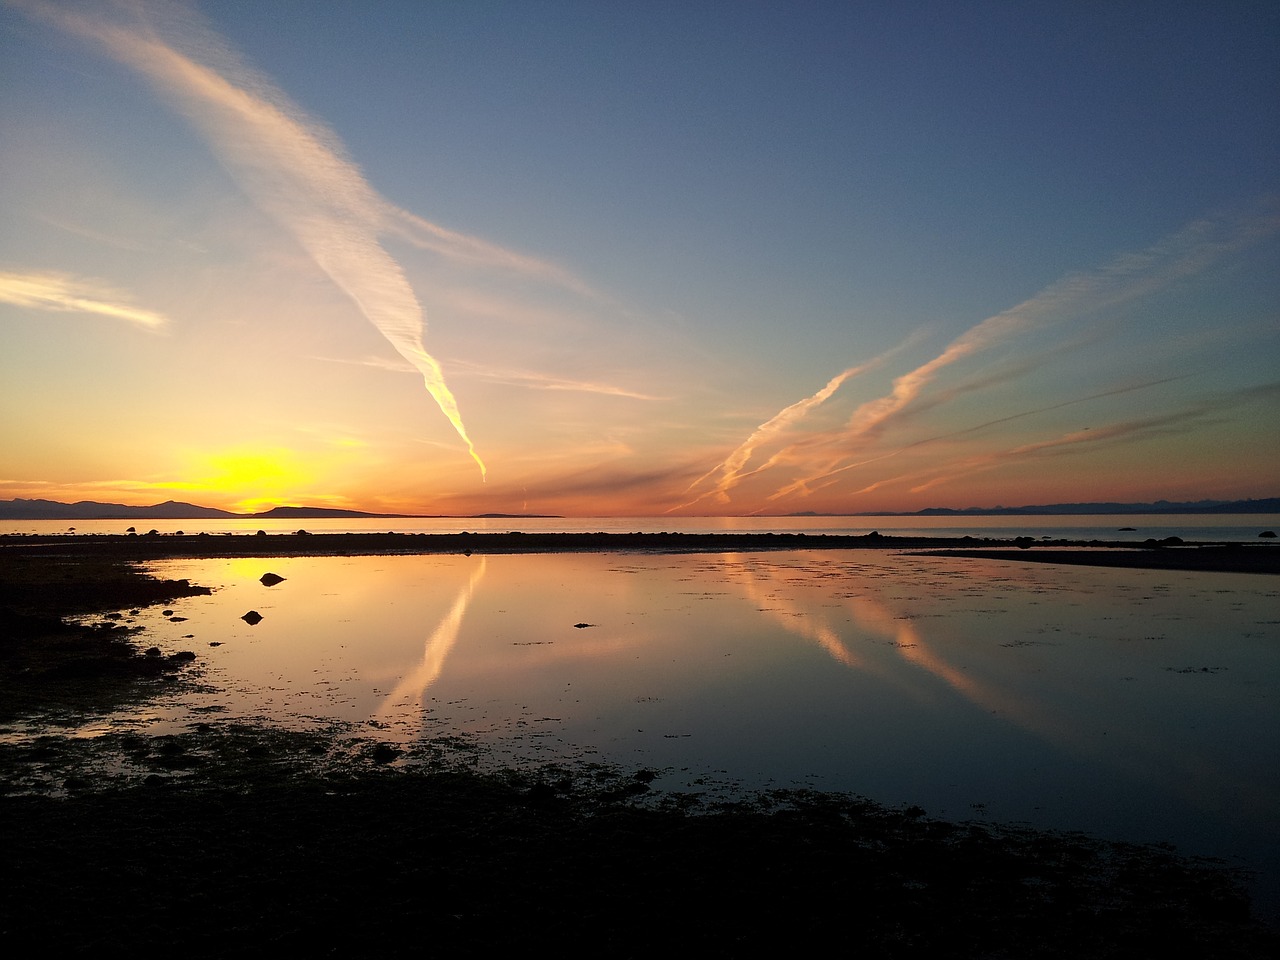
(270, 579)
(252, 618)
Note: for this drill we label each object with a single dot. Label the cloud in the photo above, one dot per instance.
(977, 428)
(377, 363)
(1174, 421)
(1126, 278)
(731, 468)
(460, 247)
(97, 236)
(517, 378)
(296, 170)
(68, 294)
(541, 381)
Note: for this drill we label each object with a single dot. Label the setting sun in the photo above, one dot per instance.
(777, 275)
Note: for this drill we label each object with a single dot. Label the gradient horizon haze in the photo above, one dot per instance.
(637, 259)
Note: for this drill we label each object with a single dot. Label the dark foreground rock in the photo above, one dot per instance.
(1207, 558)
(55, 657)
(254, 846)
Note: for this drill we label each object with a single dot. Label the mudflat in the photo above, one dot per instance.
(231, 839)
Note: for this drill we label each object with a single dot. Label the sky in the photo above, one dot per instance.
(639, 259)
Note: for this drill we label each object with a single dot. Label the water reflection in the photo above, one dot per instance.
(406, 698)
(1139, 704)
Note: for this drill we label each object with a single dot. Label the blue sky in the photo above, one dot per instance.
(668, 228)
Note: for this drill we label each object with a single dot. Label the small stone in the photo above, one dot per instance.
(385, 753)
(270, 579)
(252, 618)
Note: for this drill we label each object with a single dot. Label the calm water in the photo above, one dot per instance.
(1131, 704)
(1188, 526)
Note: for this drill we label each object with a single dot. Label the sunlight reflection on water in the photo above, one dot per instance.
(1132, 703)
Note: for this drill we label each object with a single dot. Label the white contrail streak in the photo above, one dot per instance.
(293, 168)
(731, 468)
(64, 293)
(1124, 279)
(976, 428)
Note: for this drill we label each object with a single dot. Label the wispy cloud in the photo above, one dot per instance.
(518, 378)
(986, 425)
(1163, 424)
(729, 472)
(68, 294)
(461, 247)
(97, 236)
(542, 381)
(294, 169)
(390, 364)
(1125, 278)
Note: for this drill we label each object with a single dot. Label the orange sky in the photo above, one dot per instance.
(245, 267)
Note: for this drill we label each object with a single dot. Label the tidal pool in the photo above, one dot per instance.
(1130, 704)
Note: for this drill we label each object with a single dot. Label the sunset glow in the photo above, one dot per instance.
(603, 260)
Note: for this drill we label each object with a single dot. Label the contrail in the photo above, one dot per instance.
(457, 246)
(61, 292)
(991, 423)
(293, 168)
(1146, 426)
(1123, 279)
(730, 469)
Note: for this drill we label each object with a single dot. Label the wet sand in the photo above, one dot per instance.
(1209, 558)
(227, 839)
(244, 842)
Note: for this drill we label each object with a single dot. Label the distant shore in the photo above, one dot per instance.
(1170, 554)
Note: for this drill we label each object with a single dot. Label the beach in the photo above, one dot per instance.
(232, 838)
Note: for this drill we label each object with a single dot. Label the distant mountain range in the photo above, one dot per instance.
(176, 510)
(1264, 505)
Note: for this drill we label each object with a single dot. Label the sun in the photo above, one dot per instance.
(253, 480)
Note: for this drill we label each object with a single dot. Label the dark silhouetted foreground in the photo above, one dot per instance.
(227, 840)
(243, 842)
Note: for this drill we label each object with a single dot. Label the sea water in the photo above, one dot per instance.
(1130, 704)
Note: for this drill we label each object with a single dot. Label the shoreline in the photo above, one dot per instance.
(1208, 556)
(243, 839)
(227, 839)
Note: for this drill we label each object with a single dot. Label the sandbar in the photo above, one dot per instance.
(1183, 555)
